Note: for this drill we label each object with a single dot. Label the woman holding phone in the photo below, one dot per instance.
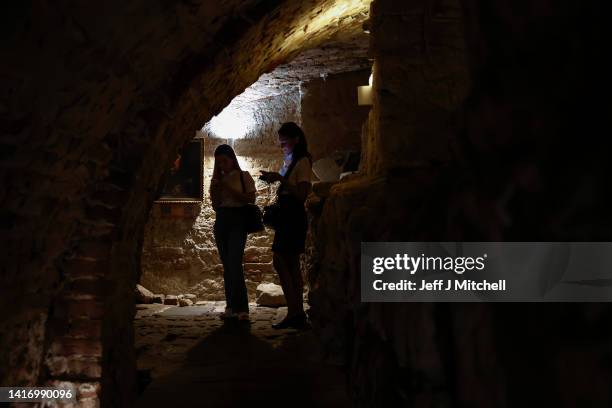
(290, 230)
(230, 190)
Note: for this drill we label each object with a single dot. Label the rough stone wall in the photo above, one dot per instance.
(85, 142)
(179, 254)
(422, 77)
(95, 99)
(492, 158)
(331, 118)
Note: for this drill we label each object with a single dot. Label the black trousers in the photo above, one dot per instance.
(230, 236)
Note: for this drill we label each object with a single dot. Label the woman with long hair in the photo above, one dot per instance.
(230, 190)
(292, 225)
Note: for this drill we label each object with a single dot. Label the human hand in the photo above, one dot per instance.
(270, 176)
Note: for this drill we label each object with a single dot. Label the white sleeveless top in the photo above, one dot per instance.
(301, 172)
(232, 179)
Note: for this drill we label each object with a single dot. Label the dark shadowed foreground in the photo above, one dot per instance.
(193, 359)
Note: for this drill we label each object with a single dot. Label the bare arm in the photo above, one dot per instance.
(214, 193)
(300, 191)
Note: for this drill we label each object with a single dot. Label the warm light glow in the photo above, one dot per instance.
(364, 93)
(238, 119)
(364, 96)
(330, 16)
(245, 165)
(231, 123)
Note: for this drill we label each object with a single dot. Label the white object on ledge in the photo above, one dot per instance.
(347, 173)
(326, 169)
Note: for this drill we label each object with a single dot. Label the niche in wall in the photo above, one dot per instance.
(185, 178)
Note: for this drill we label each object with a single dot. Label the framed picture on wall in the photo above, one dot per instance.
(185, 177)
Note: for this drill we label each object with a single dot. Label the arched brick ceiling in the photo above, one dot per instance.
(347, 54)
(86, 78)
(275, 39)
(99, 96)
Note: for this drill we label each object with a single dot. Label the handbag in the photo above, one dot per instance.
(271, 215)
(252, 214)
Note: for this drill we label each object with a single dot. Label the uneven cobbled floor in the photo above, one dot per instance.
(188, 357)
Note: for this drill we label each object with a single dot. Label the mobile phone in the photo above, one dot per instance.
(264, 176)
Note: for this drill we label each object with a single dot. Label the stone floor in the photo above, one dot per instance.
(188, 357)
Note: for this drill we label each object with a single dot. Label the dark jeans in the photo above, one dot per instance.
(230, 236)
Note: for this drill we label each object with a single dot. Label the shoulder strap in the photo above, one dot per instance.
(293, 164)
(291, 167)
(287, 173)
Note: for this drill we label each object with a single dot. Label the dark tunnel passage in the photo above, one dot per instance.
(487, 123)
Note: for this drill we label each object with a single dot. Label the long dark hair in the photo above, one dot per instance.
(291, 130)
(224, 150)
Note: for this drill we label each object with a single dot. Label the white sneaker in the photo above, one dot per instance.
(228, 314)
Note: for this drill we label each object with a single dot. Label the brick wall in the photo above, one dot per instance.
(331, 118)
(90, 115)
(180, 255)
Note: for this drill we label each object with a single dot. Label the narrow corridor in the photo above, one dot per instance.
(428, 121)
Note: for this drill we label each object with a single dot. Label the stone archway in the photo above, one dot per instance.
(102, 135)
(95, 99)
